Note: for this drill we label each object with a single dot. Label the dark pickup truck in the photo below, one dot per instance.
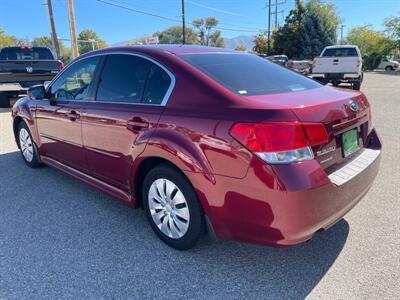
(22, 67)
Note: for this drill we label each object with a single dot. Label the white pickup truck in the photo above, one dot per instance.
(339, 64)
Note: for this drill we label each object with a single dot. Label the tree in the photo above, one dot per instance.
(93, 41)
(313, 36)
(217, 40)
(6, 40)
(65, 54)
(241, 48)
(173, 35)
(43, 41)
(206, 35)
(287, 38)
(260, 43)
(317, 29)
(392, 28)
(373, 44)
(307, 30)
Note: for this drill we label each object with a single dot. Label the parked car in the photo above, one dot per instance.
(278, 59)
(339, 64)
(202, 138)
(388, 64)
(22, 67)
(300, 66)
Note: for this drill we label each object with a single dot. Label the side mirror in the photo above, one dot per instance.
(46, 83)
(37, 92)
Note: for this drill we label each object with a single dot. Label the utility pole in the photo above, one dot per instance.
(269, 28)
(54, 39)
(341, 33)
(276, 14)
(183, 23)
(74, 42)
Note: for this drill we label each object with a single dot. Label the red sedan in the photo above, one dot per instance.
(205, 139)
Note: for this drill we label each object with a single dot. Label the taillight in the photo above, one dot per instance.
(358, 63)
(283, 142)
(61, 67)
(313, 64)
(316, 133)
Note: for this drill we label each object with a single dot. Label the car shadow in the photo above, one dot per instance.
(61, 238)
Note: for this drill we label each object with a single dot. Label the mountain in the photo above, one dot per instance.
(245, 40)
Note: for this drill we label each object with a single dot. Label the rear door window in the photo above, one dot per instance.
(123, 79)
(157, 85)
(340, 52)
(249, 75)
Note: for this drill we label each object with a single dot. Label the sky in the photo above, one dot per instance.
(28, 18)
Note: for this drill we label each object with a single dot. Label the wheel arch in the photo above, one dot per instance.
(140, 171)
(17, 120)
(24, 111)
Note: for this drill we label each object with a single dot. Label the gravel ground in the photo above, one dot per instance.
(61, 239)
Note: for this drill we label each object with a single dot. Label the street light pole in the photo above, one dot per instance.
(183, 23)
(71, 15)
(92, 42)
(341, 33)
(54, 40)
(269, 28)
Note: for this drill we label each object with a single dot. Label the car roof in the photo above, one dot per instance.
(175, 49)
(341, 46)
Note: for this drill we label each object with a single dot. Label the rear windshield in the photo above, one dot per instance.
(332, 52)
(249, 75)
(26, 53)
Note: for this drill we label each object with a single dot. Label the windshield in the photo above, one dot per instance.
(249, 75)
(335, 52)
(26, 53)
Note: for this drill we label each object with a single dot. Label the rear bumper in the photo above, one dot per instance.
(25, 80)
(336, 76)
(280, 206)
(11, 87)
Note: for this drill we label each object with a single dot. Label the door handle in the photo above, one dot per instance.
(73, 115)
(137, 124)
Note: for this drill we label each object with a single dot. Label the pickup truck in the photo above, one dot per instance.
(339, 64)
(22, 67)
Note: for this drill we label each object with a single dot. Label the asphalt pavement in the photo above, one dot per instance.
(61, 239)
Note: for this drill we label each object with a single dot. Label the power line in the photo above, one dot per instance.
(116, 4)
(138, 11)
(215, 9)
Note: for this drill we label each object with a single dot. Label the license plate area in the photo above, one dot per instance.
(350, 142)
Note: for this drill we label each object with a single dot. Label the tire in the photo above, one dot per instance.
(389, 68)
(335, 83)
(4, 100)
(172, 207)
(27, 146)
(357, 85)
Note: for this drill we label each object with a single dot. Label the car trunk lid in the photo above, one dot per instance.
(339, 110)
